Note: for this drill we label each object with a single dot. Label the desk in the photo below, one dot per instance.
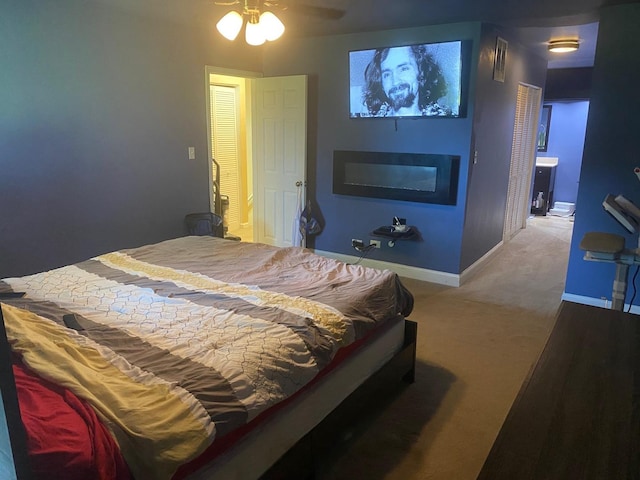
(577, 415)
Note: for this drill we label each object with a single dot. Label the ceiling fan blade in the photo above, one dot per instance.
(322, 12)
(226, 3)
(310, 10)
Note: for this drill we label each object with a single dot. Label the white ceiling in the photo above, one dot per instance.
(537, 21)
(537, 38)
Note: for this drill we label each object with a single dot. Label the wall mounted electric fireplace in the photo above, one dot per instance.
(413, 177)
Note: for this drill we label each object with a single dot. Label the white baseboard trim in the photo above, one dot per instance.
(417, 273)
(424, 274)
(475, 267)
(592, 301)
(596, 302)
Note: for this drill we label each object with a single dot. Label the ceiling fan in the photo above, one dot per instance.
(294, 7)
(261, 23)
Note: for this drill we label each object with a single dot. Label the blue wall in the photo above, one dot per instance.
(100, 105)
(495, 106)
(611, 146)
(566, 141)
(330, 128)
(98, 109)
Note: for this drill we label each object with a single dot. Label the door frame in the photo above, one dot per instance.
(288, 135)
(248, 76)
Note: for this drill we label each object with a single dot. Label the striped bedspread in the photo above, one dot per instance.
(181, 342)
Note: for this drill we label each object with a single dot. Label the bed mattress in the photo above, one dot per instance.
(177, 345)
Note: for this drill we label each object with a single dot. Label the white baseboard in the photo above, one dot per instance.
(417, 273)
(424, 274)
(455, 280)
(596, 302)
(475, 267)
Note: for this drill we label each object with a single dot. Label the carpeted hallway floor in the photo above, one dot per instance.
(476, 345)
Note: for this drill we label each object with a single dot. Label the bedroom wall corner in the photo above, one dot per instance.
(492, 140)
(100, 105)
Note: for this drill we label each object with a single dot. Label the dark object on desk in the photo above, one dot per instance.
(577, 414)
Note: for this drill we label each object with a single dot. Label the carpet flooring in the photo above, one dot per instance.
(476, 344)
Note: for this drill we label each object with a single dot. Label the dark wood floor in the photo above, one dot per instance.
(577, 414)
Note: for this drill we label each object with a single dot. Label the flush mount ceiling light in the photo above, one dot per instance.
(260, 26)
(563, 46)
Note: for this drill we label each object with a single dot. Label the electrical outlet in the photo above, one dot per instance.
(355, 243)
(375, 243)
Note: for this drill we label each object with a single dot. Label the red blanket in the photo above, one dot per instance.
(64, 434)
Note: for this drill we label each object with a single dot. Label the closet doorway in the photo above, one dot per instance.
(229, 136)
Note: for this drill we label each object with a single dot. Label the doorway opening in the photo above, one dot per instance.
(229, 128)
(258, 128)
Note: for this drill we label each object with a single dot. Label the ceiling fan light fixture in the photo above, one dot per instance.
(563, 46)
(230, 25)
(254, 33)
(271, 26)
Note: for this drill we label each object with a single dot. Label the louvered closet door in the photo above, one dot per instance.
(224, 141)
(523, 154)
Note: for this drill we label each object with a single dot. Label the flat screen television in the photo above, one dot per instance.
(412, 81)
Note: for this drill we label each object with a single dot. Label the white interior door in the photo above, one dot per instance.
(279, 152)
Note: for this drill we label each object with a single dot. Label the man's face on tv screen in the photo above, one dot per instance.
(400, 77)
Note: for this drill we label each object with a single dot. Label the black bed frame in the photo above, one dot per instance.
(306, 458)
(300, 462)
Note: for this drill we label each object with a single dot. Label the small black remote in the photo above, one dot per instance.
(71, 321)
(12, 294)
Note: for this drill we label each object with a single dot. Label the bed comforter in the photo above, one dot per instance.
(180, 343)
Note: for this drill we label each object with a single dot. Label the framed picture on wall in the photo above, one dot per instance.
(500, 60)
(543, 130)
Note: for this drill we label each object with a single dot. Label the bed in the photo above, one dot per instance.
(196, 357)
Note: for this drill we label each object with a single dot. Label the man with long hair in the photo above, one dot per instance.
(404, 81)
